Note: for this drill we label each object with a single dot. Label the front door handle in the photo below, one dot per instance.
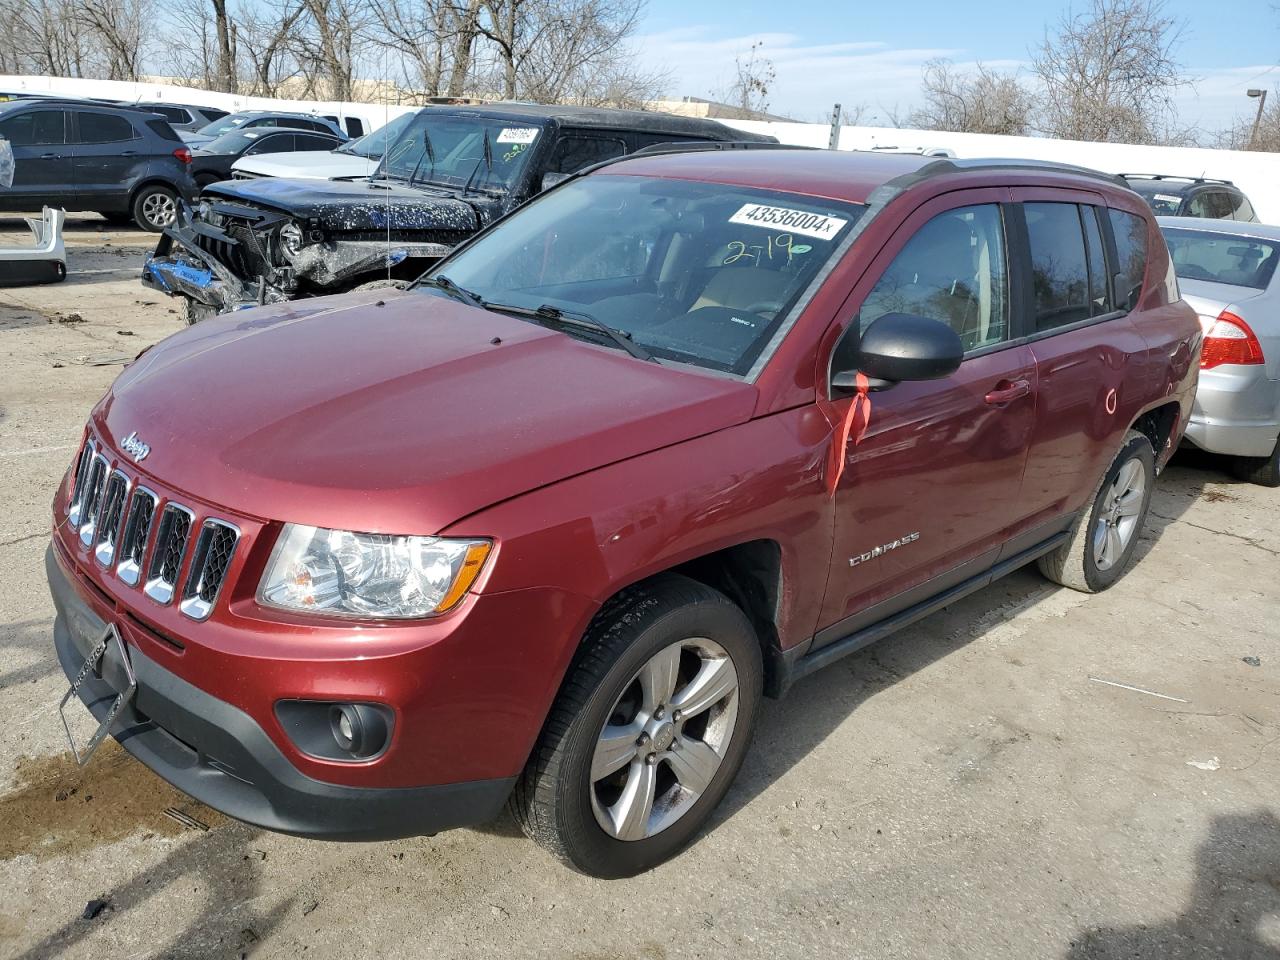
(1007, 391)
(50, 156)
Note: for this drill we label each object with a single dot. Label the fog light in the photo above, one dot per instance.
(337, 731)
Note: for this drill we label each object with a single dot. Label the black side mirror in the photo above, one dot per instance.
(897, 347)
(551, 178)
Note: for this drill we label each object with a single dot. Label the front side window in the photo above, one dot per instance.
(34, 128)
(1222, 258)
(272, 143)
(1130, 231)
(698, 273)
(103, 128)
(953, 270)
(574, 153)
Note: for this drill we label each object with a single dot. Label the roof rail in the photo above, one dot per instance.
(1174, 176)
(699, 146)
(1013, 163)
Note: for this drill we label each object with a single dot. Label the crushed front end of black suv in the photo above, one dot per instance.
(248, 242)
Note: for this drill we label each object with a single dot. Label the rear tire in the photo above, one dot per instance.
(1102, 541)
(621, 778)
(154, 207)
(1264, 471)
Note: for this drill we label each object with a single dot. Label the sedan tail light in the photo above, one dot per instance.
(1230, 340)
(183, 154)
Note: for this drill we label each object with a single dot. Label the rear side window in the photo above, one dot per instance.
(162, 130)
(355, 127)
(34, 128)
(953, 269)
(1059, 265)
(172, 114)
(1243, 209)
(210, 114)
(573, 153)
(311, 141)
(273, 143)
(103, 128)
(1130, 231)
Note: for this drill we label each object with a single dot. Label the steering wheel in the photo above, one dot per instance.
(766, 308)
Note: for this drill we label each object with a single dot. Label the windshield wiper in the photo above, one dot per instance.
(572, 318)
(486, 158)
(442, 282)
(427, 152)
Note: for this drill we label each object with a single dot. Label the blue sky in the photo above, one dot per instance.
(826, 51)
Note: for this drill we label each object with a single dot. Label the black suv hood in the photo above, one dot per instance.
(354, 205)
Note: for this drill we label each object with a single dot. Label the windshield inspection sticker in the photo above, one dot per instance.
(1168, 199)
(783, 218)
(518, 135)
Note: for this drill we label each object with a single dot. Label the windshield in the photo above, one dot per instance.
(699, 273)
(1222, 257)
(451, 151)
(218, 127)
(374, 145)
(1162, 201)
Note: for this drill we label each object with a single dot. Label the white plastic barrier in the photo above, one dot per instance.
(1257, 174)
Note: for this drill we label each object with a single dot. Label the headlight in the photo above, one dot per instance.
(291, 238)
(368, 574)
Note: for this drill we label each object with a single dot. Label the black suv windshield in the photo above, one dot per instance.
(452, 151)
(373, 145)
(699, 273)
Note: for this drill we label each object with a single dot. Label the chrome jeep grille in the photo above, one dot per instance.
(111, 513)
(128, 528)
(166, 555)
(137, 527)
(214, 549)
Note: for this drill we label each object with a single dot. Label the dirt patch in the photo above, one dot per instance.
(61, 808)
(1210, 495)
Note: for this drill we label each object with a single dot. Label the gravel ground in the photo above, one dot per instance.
(969, 789)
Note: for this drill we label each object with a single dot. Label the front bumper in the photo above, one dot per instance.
(222, 757)
(1236, 412)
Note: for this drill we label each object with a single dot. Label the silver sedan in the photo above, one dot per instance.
(1227, 272)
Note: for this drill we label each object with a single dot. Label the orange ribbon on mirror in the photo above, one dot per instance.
(854, 428)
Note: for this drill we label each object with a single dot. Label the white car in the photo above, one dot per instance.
(353, 160)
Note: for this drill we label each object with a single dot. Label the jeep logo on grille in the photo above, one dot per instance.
(135, 447)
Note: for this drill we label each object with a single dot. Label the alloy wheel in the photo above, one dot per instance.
(664, 739)
(1118, 519)
(160, 209)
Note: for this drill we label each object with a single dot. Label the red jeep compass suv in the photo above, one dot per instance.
(543, 529)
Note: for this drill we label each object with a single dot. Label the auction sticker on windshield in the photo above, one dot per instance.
(784, 218)
(518, 135)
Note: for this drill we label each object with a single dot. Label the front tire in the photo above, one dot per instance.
(195, 311)
(155, 207)
(648, 731)
(1264, 471)
(1103, 540)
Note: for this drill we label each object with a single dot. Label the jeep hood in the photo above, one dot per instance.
(401, 418)
(355, 205)
(307, 165)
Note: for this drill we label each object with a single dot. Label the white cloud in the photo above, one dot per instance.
(811, 77)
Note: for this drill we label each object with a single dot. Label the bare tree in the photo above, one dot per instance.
(265, 37)
(329, 40)
(122, 30)
(754, 75)
(1110, 72)
(1242, 134)
(980, 101)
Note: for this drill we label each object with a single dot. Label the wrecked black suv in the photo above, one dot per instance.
(452, 172)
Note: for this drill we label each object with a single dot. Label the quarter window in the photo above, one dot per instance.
(954, 270)
(1059, 265)
(1243, 209)
(103, 128)
(1130, 233)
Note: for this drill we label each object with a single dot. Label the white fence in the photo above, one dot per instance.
(1257, 174)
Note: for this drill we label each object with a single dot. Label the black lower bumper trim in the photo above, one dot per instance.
(219, 755)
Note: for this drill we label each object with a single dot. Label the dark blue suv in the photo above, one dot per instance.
(122, 162)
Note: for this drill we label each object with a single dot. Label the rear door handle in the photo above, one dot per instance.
(1007, 391)
(50, 156)
(129, 153)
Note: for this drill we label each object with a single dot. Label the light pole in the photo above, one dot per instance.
(1261, 96)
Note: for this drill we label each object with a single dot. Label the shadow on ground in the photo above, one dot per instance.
(1236, 892)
